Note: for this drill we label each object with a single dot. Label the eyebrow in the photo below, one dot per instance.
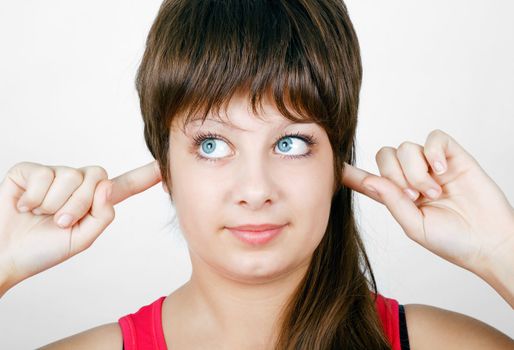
(287, 122)
(227, 124)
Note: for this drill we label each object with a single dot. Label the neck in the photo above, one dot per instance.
(243, 312)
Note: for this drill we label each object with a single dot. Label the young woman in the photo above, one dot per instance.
(250, 111)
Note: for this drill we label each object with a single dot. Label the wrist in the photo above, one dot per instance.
(498, 272)
(6, 282)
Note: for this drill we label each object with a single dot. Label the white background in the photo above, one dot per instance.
(67, 97)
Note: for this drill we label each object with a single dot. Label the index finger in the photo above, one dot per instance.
(353, 178)
(135, 181)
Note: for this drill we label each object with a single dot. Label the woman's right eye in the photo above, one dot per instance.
(208, 143)
(214, 148)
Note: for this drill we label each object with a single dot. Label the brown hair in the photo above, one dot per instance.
(304, 54)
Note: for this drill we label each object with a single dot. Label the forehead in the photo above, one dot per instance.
(237, 114)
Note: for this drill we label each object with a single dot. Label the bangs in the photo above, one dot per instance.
(200, 53)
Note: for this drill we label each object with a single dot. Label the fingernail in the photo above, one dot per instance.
(65, 220)
(411, 193)
(439, 167)
(23, 209)
(432, 193)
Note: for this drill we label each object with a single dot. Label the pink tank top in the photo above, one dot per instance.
(142, 330)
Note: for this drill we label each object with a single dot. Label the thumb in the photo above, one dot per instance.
(403, 209)
(97, 219)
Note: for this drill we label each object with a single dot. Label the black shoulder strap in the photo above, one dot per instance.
(404, 335)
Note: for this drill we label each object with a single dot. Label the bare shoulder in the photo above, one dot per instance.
(106, 336)
(430, 327)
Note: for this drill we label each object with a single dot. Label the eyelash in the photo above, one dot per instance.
(309, 139)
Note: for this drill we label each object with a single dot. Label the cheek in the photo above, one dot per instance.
(193, 192)
(312, 213)
(310, 205)
(197, 203)
(311, 190)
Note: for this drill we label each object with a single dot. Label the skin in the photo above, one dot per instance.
(236, 288)
(469, 223)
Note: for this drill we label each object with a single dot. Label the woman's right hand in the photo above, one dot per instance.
(32, 241)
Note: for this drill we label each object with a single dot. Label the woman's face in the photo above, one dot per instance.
(244, 178)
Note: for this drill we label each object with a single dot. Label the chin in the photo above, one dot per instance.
(255, 267)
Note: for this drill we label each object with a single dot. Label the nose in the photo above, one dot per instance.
(255, 185)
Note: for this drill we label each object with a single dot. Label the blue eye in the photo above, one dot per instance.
(211, 145)
(285, 143)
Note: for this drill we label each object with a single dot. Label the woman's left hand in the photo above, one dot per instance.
(468, 222)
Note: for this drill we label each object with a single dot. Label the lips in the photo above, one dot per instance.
(256, 235)
(255, 228)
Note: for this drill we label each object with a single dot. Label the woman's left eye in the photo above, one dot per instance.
(298, 142)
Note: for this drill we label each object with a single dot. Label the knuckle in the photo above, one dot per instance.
(405, 145)
(107, 181)
(21, 165)
(111, 216)
(72, 175)
(436, 133)
(16, 166)
(97, 171)
(388, 173)
(43, 172)
(383, 151)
